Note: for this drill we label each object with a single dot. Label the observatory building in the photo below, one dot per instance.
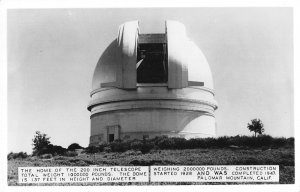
(148, 85)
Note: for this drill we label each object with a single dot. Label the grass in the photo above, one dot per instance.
(282, 156)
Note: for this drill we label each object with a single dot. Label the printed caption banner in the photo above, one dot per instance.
(231, 173)
(83, 174)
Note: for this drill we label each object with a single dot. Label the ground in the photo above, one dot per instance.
(284, 157)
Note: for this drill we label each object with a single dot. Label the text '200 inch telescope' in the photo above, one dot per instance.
(148, 85)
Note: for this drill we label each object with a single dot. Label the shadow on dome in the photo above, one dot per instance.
(105, 70)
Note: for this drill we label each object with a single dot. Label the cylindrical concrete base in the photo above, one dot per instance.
(149, 123)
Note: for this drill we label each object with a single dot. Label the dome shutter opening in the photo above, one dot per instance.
(152, 59)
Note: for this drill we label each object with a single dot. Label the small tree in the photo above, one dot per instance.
(40, 143)
(256, 126)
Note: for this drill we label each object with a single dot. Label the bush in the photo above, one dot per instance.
(180, 143)
(71, 154)
(223, 141)
(74, 146)
(136, 145)
(166, 143)
(54, 150)
(102, 146)
(199, 143)
(195, 143)
(209, 142)
(20, 155)
(92, 149)
(146, 147)
(107, 149)
(263, 140)
(279, 142)
(244, 141)
(291, 141)
(46, 156)
(119, 146)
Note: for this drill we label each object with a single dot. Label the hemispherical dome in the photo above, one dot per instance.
(187, 54)
(106, 67)
(198, 68)
(151, 85)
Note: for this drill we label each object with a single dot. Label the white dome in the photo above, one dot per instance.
(151, 85)
(105, 70)
(198, 68)
(187, 54)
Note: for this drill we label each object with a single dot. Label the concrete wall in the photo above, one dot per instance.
(192, 95)
(135, 124)
(152, 111)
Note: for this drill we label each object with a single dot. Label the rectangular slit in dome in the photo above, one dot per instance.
(152, 59)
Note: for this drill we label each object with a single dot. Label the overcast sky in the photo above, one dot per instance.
(52, 54)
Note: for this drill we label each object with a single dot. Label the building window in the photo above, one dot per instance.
(152, 59)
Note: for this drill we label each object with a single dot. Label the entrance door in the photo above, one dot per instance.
(113, 133)
(111, 137)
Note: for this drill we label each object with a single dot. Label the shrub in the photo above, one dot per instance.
(59, 150)
(107, 149)
(91, 149)
(102, 146)
(20, 155)
(46, 156)
(156, 140)
(136, 145)
(241, 141)
(180, 143)
(223, 142)
(119, 146)
(166, 143)
(146, 147)
(200, 143)
(74, 146)
(262, 140)
(277, 142)
(291, 141)
(209, 142)
(54, 150)
(71, 154)
(195, 143)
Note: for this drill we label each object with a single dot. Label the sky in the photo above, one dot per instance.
(52, 54)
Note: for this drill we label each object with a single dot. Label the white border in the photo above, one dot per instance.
(25, 4)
